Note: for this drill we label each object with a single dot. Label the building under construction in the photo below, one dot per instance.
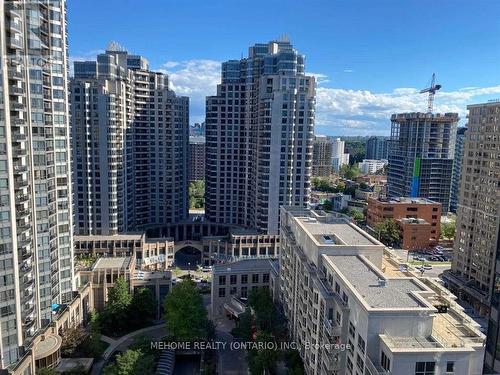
(421, 152)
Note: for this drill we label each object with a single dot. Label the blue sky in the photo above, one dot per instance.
(370, 57)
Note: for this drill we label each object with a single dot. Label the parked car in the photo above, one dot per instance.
(427, 267)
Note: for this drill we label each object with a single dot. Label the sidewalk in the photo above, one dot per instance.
(115, 343)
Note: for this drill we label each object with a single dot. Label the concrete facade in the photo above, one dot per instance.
(472, 274)
(322, 156)
(259, 132)
(334, 292)
(418, 218)
(421, 152)
(130, 145)
(36, 223)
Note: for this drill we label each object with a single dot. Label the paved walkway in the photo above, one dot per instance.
(229, 361)
(123, 343)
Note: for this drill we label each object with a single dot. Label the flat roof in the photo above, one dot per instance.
(335, 232)
(115, 237)
(251, 264)
(406, 200)
(118, 262)
(48, 346)
(394, 293)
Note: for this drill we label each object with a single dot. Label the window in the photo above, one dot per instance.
(222, 280)
(255, 278)
(450, 366)
(232, 279)
(361, 344)
(222, 292)
(352, 330)
(244, 279)
(425, 368)
(385, 362)
(265, 278)
(359, 361)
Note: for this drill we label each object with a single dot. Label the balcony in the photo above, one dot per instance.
(16, 90)
(332, 328)
(15, 43)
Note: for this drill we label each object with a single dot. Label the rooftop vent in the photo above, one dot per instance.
(381, 282)
(328, 239)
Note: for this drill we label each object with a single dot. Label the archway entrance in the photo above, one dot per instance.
(188, 258)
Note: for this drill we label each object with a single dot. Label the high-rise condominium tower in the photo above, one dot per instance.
(377, 148)
(478, 215)
(130, 142)
(457, 168)
(36, 263)
(339, 157)
(421, 154)
(259, 133)
(322, 156)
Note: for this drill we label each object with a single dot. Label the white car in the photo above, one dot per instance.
(427, 267)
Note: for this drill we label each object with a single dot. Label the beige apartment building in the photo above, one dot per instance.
(352, 311)
(478, 215)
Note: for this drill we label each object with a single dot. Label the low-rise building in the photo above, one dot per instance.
(103, 274)
(371, 166)
(232, 282)
(349, 317)
(419, 219)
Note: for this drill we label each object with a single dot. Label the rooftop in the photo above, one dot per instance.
(405, 200)
(250, 264)
(336, 231)
(49, 345)
(377, 290)
(116, 237)
(122, 263)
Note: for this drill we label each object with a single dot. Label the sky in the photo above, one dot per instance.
(370, 58)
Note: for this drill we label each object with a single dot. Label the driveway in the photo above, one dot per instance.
(229, 361)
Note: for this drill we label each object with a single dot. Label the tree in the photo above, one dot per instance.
(131, 362)
(197, 194)
(349, 172)
(388, 231)
(294, 363)
(186, 317)
(142, 310)
(448, 229)
(72, 338)
(243, 329)
(356, 215)
(263, 361)
(323, 185)
(115, 315)
(262, 303)
(93, 345)
(327, 205)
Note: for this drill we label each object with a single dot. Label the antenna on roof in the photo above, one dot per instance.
(115, 47)
(284, 38)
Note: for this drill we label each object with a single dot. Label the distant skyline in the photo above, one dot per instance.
(370, 58)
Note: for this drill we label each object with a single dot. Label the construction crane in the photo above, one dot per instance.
(432, 91)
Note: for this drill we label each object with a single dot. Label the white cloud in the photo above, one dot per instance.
(194, 78)
(348, 71)
(368, 111)
(339, 111)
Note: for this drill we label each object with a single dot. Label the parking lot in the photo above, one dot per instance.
(420, 258)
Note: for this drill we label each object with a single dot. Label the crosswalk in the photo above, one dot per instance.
(166, 363)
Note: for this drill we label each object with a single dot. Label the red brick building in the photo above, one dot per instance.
(418, 218)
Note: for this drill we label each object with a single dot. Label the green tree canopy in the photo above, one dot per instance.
(115, 314)
(131, 362)
(263, 361)
(448, 229)
(142, 310)
(389, 232)
(349, 172)
(185, 315)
